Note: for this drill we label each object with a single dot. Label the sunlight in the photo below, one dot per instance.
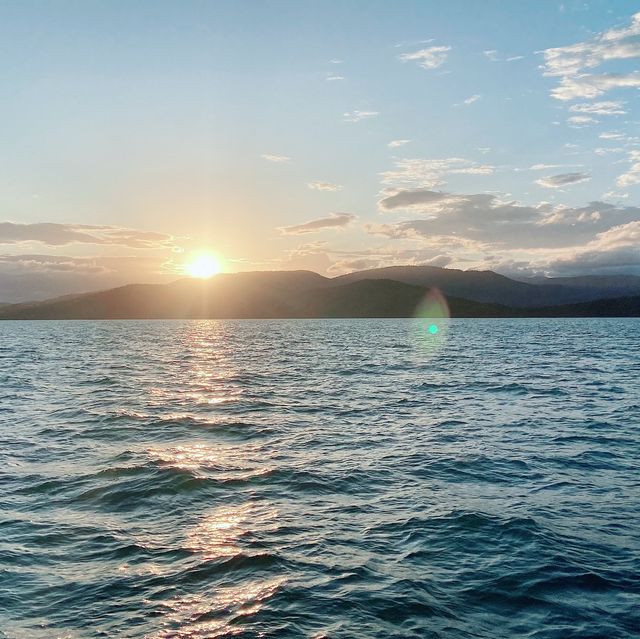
(203, 265)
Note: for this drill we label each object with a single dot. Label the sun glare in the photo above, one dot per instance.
(203, 265)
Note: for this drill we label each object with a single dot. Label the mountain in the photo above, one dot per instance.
(303, 294)
(597, 285)
(480, 286)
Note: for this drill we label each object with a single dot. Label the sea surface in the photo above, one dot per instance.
(320, 479)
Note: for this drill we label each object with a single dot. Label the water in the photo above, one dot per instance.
(319, 479)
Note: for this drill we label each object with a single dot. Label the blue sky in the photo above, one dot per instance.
(325, 135)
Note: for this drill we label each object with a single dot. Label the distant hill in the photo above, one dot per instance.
(596, 285)
(487, 286)
(303, 294)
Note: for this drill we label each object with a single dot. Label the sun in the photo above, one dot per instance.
(203, 265)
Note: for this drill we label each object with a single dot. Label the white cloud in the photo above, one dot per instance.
(591, 86)
(324, 186)
(394, 144)
(578, 121)
(332, 77)
(572, 63)
(611, 135)
(543, 167)
(491, 54)
(632, 175)
(429, 58)
(357, 116)
(472, 98)
(600, 108)
(270, 157)
(426, 173)
(333, 221)
(564, 179)
(515, 58)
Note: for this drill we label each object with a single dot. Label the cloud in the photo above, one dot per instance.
(599, 108)
(332, 77)
(30, 277)
(270, 157)
(421, 199)
(579, 121)
(485, 219)
(571, 63)
(611, 135)
(606, 150)
(333, 221)
(52, 234)
(563, 179)
(543, 167)
(612, 251)
(429, 58)
(491, 54)
(358, 116)
(324, 186)
(473, 98)
(394, 144)
(430, 173)
(591, 86)
(387, 258)
(632, 175)
(515, 58)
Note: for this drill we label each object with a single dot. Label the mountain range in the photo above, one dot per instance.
(385, 292)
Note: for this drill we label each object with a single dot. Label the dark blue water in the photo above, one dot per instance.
(320, 479)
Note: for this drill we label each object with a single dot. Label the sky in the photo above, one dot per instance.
(329, 136)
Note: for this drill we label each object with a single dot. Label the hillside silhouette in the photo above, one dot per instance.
(304, 294)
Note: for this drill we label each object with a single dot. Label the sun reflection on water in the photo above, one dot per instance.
(224, 463)
(219, 533)
(217, 613)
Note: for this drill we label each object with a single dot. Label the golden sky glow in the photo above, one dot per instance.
(203, 265)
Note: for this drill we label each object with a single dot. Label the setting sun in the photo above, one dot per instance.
(203, 266)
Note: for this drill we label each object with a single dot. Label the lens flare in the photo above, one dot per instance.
(431, 323)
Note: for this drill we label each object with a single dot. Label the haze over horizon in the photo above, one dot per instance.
(143, 140)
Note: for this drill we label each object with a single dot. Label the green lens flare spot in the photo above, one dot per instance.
(433, 328)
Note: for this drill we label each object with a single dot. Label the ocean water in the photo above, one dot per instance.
(320, 479)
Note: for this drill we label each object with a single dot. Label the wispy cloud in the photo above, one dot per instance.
(472, 98)
(491, 54)
(271, 157)
(572, 64)
(332, 77)
(333, 221)
(324, 186)
(429, 58)
(632, 175)
(430, 173)
(358, 116)
(600, 108)
(543, 167)
(52, 234)
(394, 144)
(579, 121)
(563, 179)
